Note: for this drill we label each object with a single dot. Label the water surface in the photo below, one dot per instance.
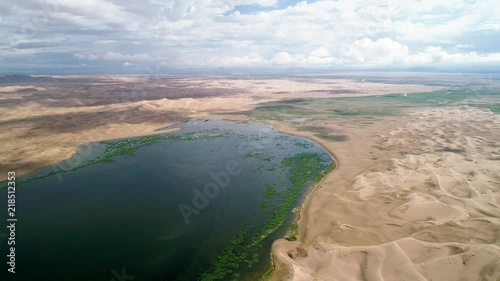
(122, 212)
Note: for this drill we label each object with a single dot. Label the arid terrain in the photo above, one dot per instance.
(413, 198)
(415, 194)
(45, 119)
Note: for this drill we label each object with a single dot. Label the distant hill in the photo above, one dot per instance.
(18, 78)
(423, 69)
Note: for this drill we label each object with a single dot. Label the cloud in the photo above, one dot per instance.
(127, 63)
(464, 46)
(133, 57)
(380, 52)
(270, 33)
(320, 53)
(282, 58)
(437, 55)
(385, 51)
(86, 56)
(113, 56)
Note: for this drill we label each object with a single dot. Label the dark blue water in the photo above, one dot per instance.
(162, 214)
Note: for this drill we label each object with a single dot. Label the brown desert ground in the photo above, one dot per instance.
(414, 196)
(45, 119)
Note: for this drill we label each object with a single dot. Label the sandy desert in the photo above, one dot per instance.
(83, 109)
(414, 196)
(426, 207)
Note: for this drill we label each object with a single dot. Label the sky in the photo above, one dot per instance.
(134, 35)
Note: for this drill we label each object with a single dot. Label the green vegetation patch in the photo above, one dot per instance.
(492, 107)
(128, 147)
(258, 155)
(270, 191)
(292, 232)
(314, 129)
(334, 138)
(374, 106)
(303, 143)
(324, 133)
(302, 170)
(228, 260)
(482, 98)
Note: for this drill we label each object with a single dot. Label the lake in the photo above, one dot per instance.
(202, 203)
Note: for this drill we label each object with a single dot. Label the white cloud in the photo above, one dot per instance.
(380, 52)
(445, 32)
(464, 46)
(320, 52)
(489, 26)
(252, 59)
(127, 63)
(436, 55)
(133, 57)
(282, 58)
(114, 56)
(195, 33)
(386, 51)
(86, 56)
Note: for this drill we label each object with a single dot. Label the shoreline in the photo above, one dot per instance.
(28, 176)
(402, 202)
(30, 123)
(305, 202)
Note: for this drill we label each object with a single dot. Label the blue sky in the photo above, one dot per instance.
(255, 8)
(118, 36)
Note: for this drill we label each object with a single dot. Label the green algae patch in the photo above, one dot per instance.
(228, 261)
(334, 138)
(292, 232)
(302, 170)
(270, 191)
(125, 147)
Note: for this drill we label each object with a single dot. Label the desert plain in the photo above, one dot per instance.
(415, 194)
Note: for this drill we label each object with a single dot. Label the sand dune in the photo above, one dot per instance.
(82, 109)
(405, 259)
(431, 213)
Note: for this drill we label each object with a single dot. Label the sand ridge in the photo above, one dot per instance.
(45, 119)
(427, 209)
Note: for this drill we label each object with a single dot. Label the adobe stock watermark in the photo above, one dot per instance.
(37, 21)
(168, 6)
(211, 190)
(90, 144)
(482, 86)
(121, 276)
(382, 19)
(220, 180)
